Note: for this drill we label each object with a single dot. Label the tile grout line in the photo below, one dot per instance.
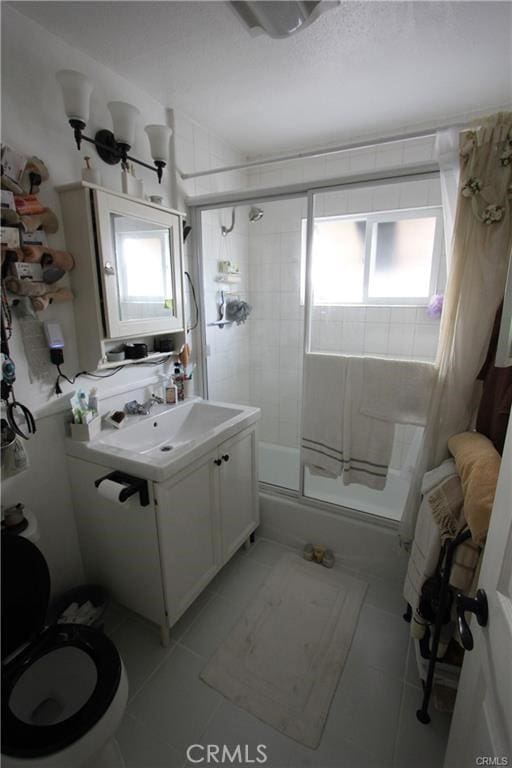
(171, 650)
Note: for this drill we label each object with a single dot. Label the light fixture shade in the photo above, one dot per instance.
(159, 136)
(124, 118)
(76, 90)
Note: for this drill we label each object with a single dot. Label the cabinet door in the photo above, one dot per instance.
(140, 266)
(118, 542)
(188, 533)
(239, 511)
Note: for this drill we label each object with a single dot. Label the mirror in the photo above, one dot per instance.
(144, 269)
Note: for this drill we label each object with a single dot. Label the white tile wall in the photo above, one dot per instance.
(276, 326)
(228, 361)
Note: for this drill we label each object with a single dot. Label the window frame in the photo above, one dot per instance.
(372, 219)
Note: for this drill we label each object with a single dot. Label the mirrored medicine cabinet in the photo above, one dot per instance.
(128, 276)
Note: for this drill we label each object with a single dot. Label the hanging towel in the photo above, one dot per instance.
(367, 441)
(397, 390)
(322, 421)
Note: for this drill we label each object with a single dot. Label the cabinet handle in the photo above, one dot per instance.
(225, 457)
(218, 462)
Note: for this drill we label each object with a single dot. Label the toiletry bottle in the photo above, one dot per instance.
(178, 380)
(171, 392)
(93, 401)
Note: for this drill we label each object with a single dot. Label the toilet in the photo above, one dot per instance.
(64, 687)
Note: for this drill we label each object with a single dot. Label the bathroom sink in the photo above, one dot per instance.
(157, 445)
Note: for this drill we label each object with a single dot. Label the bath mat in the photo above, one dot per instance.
(283, 659)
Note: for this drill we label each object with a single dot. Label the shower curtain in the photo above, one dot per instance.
(478, 262)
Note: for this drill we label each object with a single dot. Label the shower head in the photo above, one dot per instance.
(255, 214)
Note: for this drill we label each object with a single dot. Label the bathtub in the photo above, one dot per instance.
(279, 466)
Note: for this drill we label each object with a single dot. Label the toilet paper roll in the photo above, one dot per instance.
(110, 490)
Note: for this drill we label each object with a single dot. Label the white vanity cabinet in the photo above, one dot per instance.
(204, 515)
(157, 559)
(128, 275)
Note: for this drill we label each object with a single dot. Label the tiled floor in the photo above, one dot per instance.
(372, 722)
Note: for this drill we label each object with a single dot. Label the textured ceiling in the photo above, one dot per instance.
(362, 68)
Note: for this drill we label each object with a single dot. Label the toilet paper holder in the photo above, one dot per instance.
(131, 486)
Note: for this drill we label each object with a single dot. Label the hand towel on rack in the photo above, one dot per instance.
(397, 390)
(367, 441)
(322, 421)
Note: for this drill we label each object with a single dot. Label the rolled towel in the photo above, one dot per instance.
(478, 464)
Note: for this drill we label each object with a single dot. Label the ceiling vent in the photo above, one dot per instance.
(279, 19)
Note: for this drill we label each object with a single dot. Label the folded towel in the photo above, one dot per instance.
(435, 476)
(478, 463)
(367, 441)
(322, 421)
(465, 563)
(445, 501)
(426, 545)
(397, 390)
(425, 551)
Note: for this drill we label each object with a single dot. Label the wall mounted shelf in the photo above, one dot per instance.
(152, 357)
(228, 278)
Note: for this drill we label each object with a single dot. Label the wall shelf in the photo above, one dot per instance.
(152, 357)
(228, 278)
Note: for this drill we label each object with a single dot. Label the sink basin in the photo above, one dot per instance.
(171, 428)
(170, 437)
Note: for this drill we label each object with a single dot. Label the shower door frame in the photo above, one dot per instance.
(308, 190)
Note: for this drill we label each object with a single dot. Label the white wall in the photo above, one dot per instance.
(33, 121)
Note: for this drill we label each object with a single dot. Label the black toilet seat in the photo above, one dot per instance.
(20, 739)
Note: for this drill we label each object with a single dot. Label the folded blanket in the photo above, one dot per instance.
(445, 501)
(397, 390)
(465, 564)
(433, 477)
(478, 464)
(425, 551)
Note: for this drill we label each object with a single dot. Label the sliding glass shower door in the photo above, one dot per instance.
(376, 261)
(258, 362)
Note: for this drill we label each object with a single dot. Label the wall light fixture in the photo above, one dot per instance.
(112, 146)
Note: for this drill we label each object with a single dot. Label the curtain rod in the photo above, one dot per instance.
(316, 152)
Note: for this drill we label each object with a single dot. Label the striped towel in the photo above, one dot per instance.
(338, 439)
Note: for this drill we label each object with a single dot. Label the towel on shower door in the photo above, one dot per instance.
(322, 421)
(337, 439)
(367, 441)
(397, 390)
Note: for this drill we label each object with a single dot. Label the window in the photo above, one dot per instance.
(378, 258)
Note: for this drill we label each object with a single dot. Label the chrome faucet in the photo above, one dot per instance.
(153, 400)
(133, 408)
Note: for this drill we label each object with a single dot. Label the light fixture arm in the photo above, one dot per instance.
(112, 151)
